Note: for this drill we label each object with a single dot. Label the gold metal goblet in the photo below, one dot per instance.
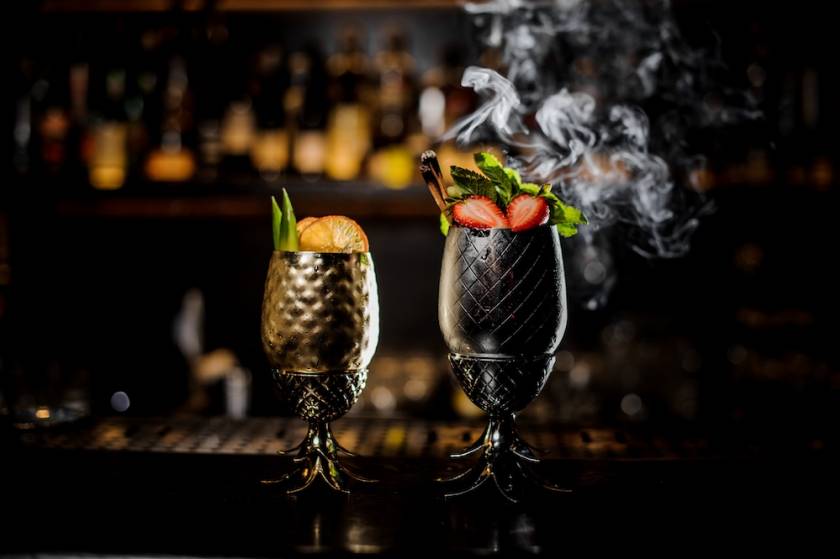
(320, 327)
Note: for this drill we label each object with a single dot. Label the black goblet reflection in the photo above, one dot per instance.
(502, 312)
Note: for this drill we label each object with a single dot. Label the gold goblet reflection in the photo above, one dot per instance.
(320, 327)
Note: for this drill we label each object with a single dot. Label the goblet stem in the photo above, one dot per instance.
(505, 458)
(470, 450)
(289, 451)
(479, 445)
(319, 455)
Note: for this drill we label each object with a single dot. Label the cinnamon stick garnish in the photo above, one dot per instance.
(434, 185)
(430, 167)
(429, 157)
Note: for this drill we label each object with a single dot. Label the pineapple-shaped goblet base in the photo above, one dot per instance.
(500, 386)
(319, 399)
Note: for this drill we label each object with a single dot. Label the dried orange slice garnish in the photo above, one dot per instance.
(304, 223)
(333, 233)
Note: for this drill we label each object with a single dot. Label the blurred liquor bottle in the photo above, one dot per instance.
(239, 129)
(396, 94)
(803, 127)
(80, 133)
(306, 106)
(171, 160)
(141, 103)
(48, 103)
(349, 123)
(239, 124)
(213, 73)
(143, 100)
(54, 130)
(45, 134)
(22, 131)
(396, 116)
(443, 102)
(107, 149)
(270, 148)
(459, 101)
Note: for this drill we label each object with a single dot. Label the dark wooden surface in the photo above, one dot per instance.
(114, 487)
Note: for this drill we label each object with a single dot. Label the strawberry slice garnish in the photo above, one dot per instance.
(479, 212)
(525, 212)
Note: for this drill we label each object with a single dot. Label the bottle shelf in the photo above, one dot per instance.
(356, 199)
(247, 197)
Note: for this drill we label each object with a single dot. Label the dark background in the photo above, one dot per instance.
(739, 332)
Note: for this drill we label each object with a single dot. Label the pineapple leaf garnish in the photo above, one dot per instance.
(276, 220)
(284, 224)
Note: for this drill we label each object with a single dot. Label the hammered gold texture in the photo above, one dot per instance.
(320, 397)
(320, 312)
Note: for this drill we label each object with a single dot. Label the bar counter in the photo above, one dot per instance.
(191, 486)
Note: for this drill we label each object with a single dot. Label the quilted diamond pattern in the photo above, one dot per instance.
(320, 397)
(501, 385)
(502, 293)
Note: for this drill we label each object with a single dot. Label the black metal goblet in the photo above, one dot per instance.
(502, 312)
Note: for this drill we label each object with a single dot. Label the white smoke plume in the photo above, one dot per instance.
(501, 102)
(570, 110)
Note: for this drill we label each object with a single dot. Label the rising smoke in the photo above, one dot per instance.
(580, 79)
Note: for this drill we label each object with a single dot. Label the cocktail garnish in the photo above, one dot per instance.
(526, 211)
(284, 225)
(334, 233)
(479, 212)
(521, 205)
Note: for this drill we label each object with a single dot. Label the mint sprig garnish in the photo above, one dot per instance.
(502, 184)
(472, 182)
(444, 224)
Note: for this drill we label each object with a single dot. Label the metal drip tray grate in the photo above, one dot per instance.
(368, 437)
